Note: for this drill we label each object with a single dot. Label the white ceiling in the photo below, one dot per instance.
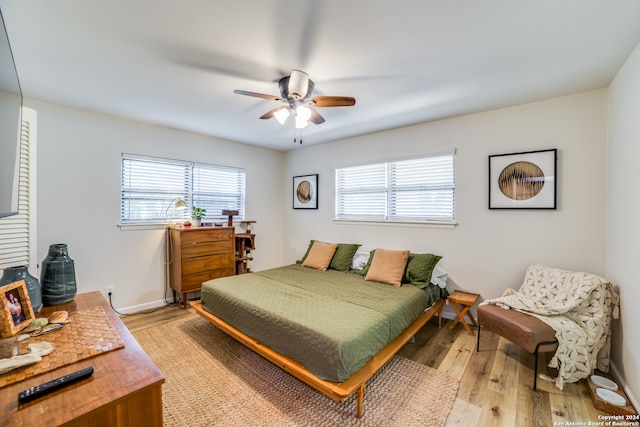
(176, 63)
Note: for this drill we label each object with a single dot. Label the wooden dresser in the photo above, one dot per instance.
(198, 254)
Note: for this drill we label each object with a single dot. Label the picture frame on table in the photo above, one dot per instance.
(16, 312)
(305, 192)
(526, 180)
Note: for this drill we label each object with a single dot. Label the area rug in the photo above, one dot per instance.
(212, 380)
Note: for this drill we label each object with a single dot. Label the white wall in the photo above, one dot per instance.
(623, 216)
(79, 166)
(490, 249)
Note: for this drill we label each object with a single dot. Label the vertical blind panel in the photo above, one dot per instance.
(420, 189)
(14, 230)
(151, 186)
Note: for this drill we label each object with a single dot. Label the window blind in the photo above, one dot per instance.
(216, 188)
(14, 230)
(150, 187)
(412, 190)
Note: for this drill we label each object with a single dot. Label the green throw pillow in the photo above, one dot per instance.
(420, 267)
(365, 270)
(341, 260)
(300, 261)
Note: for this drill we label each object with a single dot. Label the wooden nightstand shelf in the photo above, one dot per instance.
(245, 243)
(466, 300)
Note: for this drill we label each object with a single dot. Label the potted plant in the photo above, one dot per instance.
(197, 214)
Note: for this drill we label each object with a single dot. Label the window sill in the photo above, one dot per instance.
(433, 224)
(143, 226)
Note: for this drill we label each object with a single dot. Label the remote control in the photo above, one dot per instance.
(42, 389)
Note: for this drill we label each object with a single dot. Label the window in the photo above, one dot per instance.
(150, 187)
(412, 190)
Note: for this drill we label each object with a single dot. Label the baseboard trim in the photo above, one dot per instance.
(618, 377)
(141, 307)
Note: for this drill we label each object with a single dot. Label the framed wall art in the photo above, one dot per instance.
(305, 192)
(525, 180)
(16, 312)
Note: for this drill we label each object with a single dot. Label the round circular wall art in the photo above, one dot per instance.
(304, 192)
(521, 180)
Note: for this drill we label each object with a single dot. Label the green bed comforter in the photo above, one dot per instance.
(330, 322)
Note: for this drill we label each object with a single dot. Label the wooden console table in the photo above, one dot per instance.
(125, 389)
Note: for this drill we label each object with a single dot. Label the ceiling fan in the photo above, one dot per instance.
(295, 93)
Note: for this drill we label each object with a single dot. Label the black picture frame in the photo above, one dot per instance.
(305, 192)
(526, 180)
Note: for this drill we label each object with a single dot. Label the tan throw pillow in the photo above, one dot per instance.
(320, 255)
(388, 266)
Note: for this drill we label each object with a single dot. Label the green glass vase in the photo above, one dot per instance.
(58, 276)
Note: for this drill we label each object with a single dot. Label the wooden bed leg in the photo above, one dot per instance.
(360, 400)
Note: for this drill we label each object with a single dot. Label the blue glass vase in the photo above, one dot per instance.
(14, 274)
(58, 276)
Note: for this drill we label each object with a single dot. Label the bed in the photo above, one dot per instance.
(331, 329)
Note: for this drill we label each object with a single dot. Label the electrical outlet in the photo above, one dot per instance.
(109, 290)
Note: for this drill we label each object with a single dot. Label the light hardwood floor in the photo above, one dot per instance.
(495, 383)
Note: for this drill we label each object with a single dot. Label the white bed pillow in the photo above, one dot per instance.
(439, 277)
(359, 260)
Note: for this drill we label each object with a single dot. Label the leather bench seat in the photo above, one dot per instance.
(528, 332)
(522, 329)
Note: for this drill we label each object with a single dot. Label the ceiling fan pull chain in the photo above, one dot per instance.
(297, 135)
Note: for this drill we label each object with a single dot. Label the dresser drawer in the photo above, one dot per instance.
(206, 235)
(197, 249)
(208, 262)
(193, 282)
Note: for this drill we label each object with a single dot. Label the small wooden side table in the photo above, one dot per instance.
(466, 300)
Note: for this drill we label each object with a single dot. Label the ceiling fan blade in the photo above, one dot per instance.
(268, 114)
(332, 101)
(315, 117)
(258, 95)
(271, 113)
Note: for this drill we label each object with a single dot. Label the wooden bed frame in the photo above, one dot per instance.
(336, 391)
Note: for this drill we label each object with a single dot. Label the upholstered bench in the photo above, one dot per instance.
(528, 332)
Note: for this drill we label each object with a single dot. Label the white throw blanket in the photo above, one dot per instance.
(579, 307)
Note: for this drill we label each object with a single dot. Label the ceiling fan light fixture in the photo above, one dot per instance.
(295, 94)
(303, 112)
(298, 83)
(282, 115)
(301, 123)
